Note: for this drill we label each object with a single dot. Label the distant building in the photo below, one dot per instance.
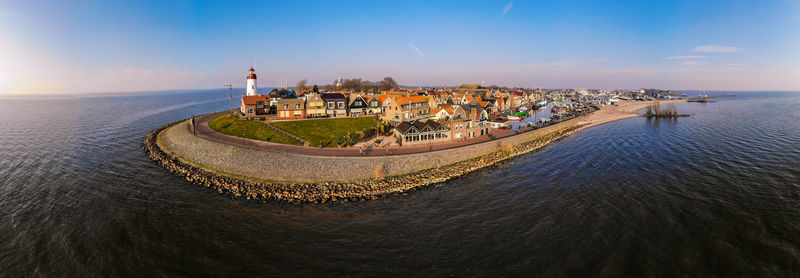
(461, 99)
(339, 83)
(472, 89)
(499, 123)
(443, 113)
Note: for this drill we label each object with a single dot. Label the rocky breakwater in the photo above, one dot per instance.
(338, 191)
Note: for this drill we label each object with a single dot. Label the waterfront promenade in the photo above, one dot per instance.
(244, 158)
(205, 132)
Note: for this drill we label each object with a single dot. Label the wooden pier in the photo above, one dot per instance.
(707, 98)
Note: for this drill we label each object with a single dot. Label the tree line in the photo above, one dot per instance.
(355, 84)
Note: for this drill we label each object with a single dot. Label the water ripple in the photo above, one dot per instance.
(713, 194)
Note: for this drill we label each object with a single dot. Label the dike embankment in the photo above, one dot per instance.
(255, 173)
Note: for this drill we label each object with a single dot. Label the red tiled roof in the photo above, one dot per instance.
(407, 100)
(252, 100)
(383, 97)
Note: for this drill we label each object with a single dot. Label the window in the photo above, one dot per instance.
(331, 105)
(250, 111)
(341, 105)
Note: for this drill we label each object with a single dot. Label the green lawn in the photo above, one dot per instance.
(326, 130)
(232, 125)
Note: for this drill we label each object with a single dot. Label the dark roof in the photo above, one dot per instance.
(333, 97)
(420, 125)
(468, 107)
(403, 127)
(282, 93)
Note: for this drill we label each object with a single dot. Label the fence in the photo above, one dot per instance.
(281, 131)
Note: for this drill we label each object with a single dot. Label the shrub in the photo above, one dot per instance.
(369, 133)
(352, 138)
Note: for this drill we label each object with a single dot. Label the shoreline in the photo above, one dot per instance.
(385, 180)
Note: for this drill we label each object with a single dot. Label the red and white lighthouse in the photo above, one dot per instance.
(251, 82)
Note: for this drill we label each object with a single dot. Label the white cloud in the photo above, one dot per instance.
(693, 63)
(684, 57)
(717, 49)
(507, 8)
(414, 47)
(737, 65)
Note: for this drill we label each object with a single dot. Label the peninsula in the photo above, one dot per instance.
(364, 145)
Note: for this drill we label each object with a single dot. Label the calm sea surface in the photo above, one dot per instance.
(715, 193)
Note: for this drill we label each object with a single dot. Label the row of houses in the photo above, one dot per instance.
(394, 106)
(419, 116)
(313, 105)
(451, 122)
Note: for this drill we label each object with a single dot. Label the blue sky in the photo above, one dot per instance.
(108, 46)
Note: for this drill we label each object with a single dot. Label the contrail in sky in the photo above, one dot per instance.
(414, 47)
(507, 8)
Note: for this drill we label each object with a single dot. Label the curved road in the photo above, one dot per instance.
(204, 131)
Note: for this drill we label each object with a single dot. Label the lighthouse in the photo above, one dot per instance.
(251, 82)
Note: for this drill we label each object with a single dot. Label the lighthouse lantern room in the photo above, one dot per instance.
(251, 82)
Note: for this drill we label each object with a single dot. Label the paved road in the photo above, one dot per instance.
(269, 161)
(204, 131)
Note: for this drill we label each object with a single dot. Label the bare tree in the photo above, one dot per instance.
(352, 84)
(301, 85)
(388, 83)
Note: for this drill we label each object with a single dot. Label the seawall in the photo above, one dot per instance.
(262, 174)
